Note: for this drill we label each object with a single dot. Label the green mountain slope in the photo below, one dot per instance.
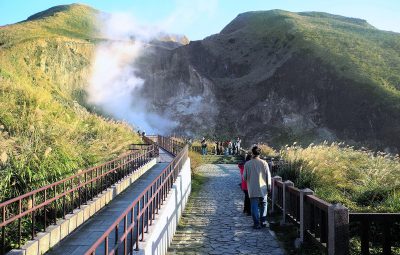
(73, 21)
(356, 49)
(281, 77)
(45, 132)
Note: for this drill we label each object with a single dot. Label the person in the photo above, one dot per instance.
(221, 148)
(217, 148)
(226, 151)
(230, 147)
(238, 142)
(258, 178)
(246, 203)
(234, 148)
(203, 146)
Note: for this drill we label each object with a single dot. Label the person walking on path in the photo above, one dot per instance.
(203, 146)
(230, 146)
(226, 150)
(258, 178)
(246, 203)
(238, 142)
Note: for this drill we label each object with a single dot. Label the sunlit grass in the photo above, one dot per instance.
(46, 133)
(360, 179)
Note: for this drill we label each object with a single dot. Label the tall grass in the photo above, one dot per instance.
(46, 133)
(360, 179)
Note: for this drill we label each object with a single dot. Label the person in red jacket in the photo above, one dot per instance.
(246, 208)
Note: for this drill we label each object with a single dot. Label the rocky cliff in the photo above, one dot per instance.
(281, 77)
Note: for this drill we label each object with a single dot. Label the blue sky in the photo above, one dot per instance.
(200, 18)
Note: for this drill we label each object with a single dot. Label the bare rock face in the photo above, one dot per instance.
(259, 79)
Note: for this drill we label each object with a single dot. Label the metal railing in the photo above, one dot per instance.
(332, 226)
(124, 235)
(22, 217)
(171, 145)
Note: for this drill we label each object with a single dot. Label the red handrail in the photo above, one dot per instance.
(145, 205)
(78, 188)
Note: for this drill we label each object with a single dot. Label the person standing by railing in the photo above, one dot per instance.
(258, 178)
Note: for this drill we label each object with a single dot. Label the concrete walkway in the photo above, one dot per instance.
(87, 234)
(213, 222)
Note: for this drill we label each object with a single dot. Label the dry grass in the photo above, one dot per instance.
(360, 179)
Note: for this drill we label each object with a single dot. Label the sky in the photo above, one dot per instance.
(200, 18)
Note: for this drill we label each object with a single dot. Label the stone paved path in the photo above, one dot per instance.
(213, 222)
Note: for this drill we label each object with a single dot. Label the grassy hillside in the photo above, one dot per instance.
(356, 49)
(331, 78)
(45, 132)
(73, 21)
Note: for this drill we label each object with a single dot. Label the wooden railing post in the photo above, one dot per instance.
(286, 201)
(274, 192)
(303, 221)
(338, 230)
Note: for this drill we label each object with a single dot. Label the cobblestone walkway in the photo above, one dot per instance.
(213, 222)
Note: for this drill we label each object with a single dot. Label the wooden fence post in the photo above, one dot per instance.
(274, 192)
(303, 222)
(286, 201)
(338, 230)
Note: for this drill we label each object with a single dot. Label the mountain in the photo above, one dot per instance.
(279, 77)
(271, 76)
(46, 129)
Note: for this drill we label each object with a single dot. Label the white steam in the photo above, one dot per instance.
(114, 85)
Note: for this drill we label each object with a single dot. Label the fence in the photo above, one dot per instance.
(321, 222)
(22, 217)
(332, 226)
(376, 231)
(130, 228)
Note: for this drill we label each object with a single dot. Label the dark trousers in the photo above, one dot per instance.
(246, 208)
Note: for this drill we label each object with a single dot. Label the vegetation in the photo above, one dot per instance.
(45, 132)
(355, 48)
(74, 21)
(268, 151)
(348, 87)
(360, 179)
